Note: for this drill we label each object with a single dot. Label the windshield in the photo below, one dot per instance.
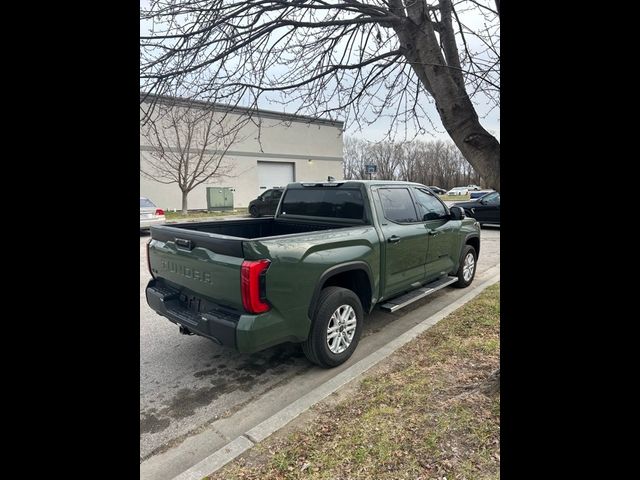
(323, 202)
(146, 203)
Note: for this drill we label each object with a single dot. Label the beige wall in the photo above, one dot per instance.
(245, 182)
(293, 142)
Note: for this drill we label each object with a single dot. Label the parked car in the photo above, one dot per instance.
(458, 191)
(478, 194)
(332, 252)
(473, 187)
(438, 190)
(485, 209)
(266, 203)
(150, 214)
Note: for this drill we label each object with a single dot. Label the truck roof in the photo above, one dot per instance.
(351, 182)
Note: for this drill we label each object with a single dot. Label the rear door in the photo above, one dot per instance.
(405, 240)
(442, 232)
(264, 204)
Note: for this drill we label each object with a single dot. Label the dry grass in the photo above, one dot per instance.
(420, 415)
(454, 198)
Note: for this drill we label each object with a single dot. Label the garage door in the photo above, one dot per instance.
(274, 174)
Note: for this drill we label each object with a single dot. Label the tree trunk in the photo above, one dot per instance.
(444, 83)
(184, 202)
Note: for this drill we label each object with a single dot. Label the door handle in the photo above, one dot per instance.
(434, 232)
(393, 239)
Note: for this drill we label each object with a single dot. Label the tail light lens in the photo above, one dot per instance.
(149, 260)
(159, 211)
(253, 285)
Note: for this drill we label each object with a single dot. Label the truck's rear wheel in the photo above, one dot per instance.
(335, 329)
(467, 268)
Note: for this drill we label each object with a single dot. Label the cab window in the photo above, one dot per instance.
(397, 205)
(430, 207)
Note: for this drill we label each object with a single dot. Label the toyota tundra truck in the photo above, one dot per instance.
(332, 252)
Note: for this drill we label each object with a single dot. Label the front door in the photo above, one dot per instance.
(441, 231)
(405, 241)
(491, 208)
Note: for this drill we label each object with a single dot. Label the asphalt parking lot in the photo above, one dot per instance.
(195, 396)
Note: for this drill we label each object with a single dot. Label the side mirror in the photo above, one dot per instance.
(457, 213)
(483, 202)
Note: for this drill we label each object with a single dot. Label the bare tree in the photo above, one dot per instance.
(364, 59)
(430, 163)
(355, 159)
(187, 146)
(387, 156)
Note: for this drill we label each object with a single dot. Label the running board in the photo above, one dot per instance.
(415, 295)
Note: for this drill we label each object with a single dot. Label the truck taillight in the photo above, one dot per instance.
(149, 260)
(159, 211)
(253, 285)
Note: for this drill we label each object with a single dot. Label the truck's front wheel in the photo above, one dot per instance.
(467, 269)
(335, 329)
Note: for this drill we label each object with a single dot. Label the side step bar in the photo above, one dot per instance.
(408, 298)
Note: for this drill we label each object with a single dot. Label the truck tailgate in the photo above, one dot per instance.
(213, 276)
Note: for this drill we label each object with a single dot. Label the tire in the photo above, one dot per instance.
(333, 300)
(462, 282)
(253, 211)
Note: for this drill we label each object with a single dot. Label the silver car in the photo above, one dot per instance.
(458, 191)
(150, 214)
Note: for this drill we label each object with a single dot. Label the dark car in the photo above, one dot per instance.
(266, 203)
(438, 190)
(485, 209)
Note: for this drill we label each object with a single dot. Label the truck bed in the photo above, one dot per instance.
(226, 236)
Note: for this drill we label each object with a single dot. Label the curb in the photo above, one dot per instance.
(255, 435)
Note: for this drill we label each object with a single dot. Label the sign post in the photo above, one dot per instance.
(371, 168)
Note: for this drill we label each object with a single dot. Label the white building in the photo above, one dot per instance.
(272, 149)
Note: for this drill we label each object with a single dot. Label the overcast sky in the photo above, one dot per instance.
(489, 115)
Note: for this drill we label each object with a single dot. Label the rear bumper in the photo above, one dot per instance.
(217, 326)
(243, 332)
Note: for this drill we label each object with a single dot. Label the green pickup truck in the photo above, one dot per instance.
(332, 252)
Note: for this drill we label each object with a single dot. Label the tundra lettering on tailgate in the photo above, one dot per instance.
(186, 272)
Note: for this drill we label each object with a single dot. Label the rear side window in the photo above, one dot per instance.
(146, 203)
(324, 202)
(492, 199)
(398, 205)
(430, 207)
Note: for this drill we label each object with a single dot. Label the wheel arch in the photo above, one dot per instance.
(355, 276)
(474, 241)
